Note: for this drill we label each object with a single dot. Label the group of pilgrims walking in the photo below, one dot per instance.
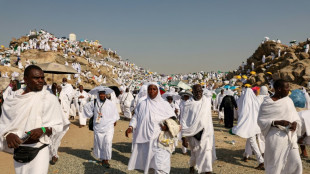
(34, 120)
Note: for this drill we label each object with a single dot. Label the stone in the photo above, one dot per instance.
(261, 77)
(299, 70)
(304, 55)
(288, 76)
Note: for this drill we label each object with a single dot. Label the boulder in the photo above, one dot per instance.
(261, 77)
(299, 70)
(288, 76)
(304, 55)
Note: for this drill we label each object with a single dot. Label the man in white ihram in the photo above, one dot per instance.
(28, 120)
(83, 98)
(197, 131)
(66, 96)
(105, 116)
(280, 124)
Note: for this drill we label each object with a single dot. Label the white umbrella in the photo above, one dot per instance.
(101, 88)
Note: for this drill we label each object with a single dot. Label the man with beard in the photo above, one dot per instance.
(197, 131)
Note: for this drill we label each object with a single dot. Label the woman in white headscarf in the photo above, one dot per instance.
(147, 125)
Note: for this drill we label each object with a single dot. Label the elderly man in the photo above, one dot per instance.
(83, 98)
(105, 116)
(30, 117)
(280, 123)
(197, 131)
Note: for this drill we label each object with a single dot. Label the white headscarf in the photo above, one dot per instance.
(247, 121)
(152, 112)
(263, 90)
(262, 94)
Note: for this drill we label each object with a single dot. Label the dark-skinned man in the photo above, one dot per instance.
(197, 131)
(30, 117)
(105, 116)
(280, 125)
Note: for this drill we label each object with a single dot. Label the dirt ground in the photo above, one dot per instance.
(76, 156)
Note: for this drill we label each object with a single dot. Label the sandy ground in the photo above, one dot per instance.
(75, 154)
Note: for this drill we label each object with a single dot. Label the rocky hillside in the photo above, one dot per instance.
(36, 56)
(292, 65)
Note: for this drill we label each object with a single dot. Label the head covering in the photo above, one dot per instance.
(153, 111)
(263, 91)
(248, 112)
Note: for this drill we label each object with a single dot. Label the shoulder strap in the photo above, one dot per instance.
(41, 147)
(95, 101)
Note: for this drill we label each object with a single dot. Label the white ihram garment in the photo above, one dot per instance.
(126, 102)
(81, 103)
(281, 153)
(305, 128)
(196, 116)
(104, 129)
(56, 138)
(22, 113)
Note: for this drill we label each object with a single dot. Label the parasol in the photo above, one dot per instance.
(56, 68)
(180, 84)
(101, 88)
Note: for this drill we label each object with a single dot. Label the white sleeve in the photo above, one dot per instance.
(133, 121)
(89, 109)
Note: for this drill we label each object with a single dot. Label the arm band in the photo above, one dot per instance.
(43, 129)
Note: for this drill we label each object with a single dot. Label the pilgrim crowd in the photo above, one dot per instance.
(35, 116)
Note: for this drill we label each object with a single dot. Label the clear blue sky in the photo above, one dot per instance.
(175, 36)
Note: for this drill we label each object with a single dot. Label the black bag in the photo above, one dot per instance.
(25, 154)
(91, 120)
(198, 135)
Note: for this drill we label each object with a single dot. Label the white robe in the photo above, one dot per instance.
(247, 122)
(126, 102)
(103, 127)
(281, 153)
(146, 124)
(82, 102)
(305, 128)
(23, 113)
(56, 138)
(196, 116)
(66, 95)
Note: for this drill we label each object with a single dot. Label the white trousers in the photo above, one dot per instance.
(103, 145)
(39, 165)
(251, 145)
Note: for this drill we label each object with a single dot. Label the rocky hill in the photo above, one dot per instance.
(292, 64)
(36, 56)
